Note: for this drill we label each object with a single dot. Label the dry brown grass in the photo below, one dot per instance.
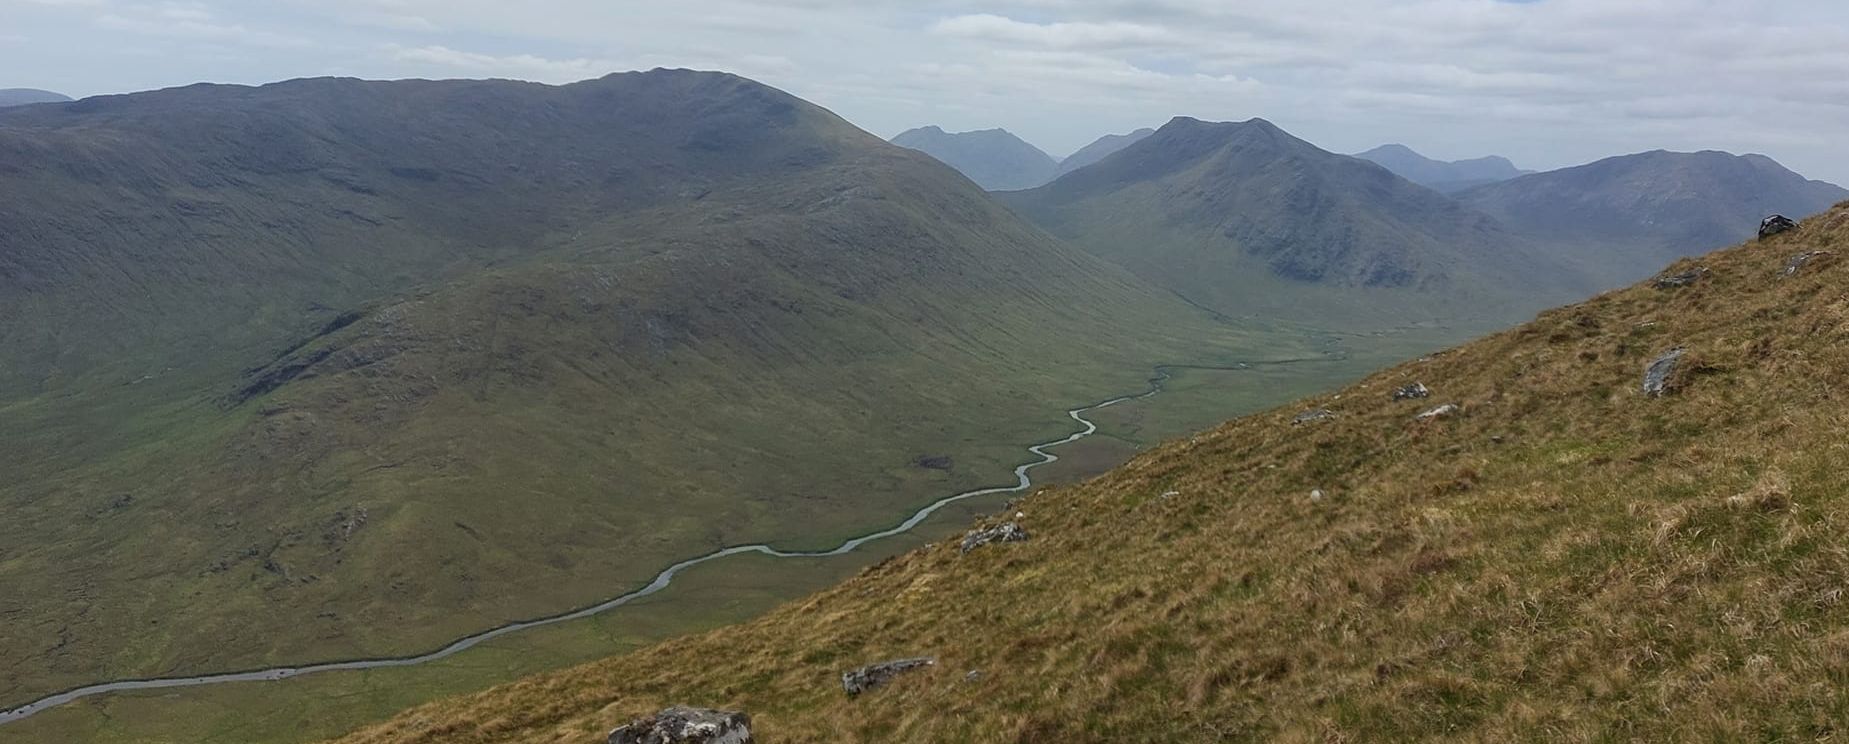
(1566, 560)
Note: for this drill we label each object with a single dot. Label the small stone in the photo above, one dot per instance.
(972, 675)
(1657, 375)
(1415, 391)
(1775, 225)
(1683, 279)
(1170, 494)
(1005, 532)
(1312, 416)
(1316, 496)
(873, 675)
(683, 725)
(1445, 411)
(1796, 263)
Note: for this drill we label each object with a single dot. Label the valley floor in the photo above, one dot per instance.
(708, 596)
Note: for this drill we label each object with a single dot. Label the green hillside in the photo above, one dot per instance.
(1561, 556)
(330, 369)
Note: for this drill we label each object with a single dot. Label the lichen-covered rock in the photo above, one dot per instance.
(1312, 416)
(1657, 376)
(1004, 532)
(873, 675)
(1775, 225)
(1796, 263)
(1445, 411)
(1415, 391)
(1672, 281)
(683, 725)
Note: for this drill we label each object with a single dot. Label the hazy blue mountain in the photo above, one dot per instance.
(994, 158)
(1628, 215)
(1101, 149)
(23, 96)
(1445, 176)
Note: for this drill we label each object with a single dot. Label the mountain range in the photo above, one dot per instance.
(994, 158)
(1245, 219)
(1443, 176)
(286, 379)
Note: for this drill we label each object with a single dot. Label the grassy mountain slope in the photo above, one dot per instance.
(1102, 148)
(1245, 219)
(286, 379)
(1443, 176)
(1564, 559)
(994, 158)
(1627, 215)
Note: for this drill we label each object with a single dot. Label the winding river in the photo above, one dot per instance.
(661, 581)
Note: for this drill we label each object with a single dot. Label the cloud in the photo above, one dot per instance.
(1108, 35)
(191, 20)
(518, 66)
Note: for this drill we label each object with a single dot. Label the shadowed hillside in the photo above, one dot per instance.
(1539, 550)
(331, 368)
(1102, 148)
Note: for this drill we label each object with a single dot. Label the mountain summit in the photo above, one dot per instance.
(1446, 177)
(1245, 218)
(994, 158)
(25, 96)
(1101, 148)
(1627, 215)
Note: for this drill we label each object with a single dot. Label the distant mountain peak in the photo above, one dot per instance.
(1445, 176)
(994, 158)
(25, 96)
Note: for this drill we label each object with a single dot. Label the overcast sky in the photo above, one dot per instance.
(1547, 82)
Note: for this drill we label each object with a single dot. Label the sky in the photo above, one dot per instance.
(1549, 83)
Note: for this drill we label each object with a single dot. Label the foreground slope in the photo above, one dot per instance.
(1441, 175)
(994, 158)
(1626, 215)
(1243, 218)
(331, 368)
(1564, 558)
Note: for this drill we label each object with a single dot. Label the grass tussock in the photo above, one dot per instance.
(1563, 560)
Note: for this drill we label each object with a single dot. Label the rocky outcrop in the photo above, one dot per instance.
(683, 725)
(1005, 532)
(1312, 416)
(1683, 279)
(873, 675)
(1797, 263)
(1775, 225)
(1415, 391)
(1658, 377)
(1445, 411)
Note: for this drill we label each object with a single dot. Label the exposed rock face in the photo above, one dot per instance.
(1415, 391)
(1445, 411)
(1796, 263)
(873, 675)
(1312, 416)
(1004, 532)
(683, 725)
(1683, 279)
(1657, 375)
(1776, 224)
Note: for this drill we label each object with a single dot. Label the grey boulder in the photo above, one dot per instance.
(1683, 279)
(1775, 225)
(1658, 374)
(1796, 263)
(683, 725)
(1005, 532)
(873, 675)
(1312, 416)
(1415, 391)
